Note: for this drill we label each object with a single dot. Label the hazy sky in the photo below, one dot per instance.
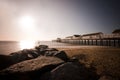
(57, 18)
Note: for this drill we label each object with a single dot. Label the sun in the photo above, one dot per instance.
(26, 22)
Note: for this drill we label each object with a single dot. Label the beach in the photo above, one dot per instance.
(105, 59)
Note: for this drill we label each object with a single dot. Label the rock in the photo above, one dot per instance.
(62, 55)
(51, 49)
(31, 52)
(27, 54)
(59, 54)
(41, 49)
(19, 56)
(45, 76)
(34, 64)
(5, 61)
(43, 46)
(107, 78)
(15, 57)
(73, 71)
(45, 51)
(50, 53)
(73, 59)
(31, 68)
(23, 55)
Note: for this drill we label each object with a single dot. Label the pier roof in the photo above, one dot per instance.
(97, 33)
(116, 31)
(76, 35)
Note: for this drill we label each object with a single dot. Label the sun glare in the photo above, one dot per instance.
(27, 44)
(27, 22)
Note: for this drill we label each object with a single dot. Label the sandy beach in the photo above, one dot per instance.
(105, 59)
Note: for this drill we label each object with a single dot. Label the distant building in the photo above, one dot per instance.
(58, 39)
(74, 37)
(117, 32)
(97, 35)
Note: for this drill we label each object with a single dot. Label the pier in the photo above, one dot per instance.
(97, 42)
(97, 39)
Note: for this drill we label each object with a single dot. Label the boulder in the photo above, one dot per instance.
(31, 52)
(23, 55)
(50, 53)
(15, 57)
(32, 69)
(41, 49)
(5, 61)
(73, 71)
(43, 46)
(51, 49)
(62, 55)
(59, 54)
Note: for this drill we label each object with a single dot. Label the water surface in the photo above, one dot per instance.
(7, 47)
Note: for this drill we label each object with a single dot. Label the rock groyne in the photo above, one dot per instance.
(44, 63)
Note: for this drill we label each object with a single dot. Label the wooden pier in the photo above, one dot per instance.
(115, 42)
(98, 39)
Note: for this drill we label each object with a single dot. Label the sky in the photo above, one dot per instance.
(49, 19)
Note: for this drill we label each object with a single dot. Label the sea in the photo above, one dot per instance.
(7, 47)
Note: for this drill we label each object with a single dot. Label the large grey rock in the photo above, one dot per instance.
(23, 55)
(32, 69)
(41, 47)
(73, 71)
(16, 57)
(62, 55)
(33, 64)
(59, 54)
(50, 53)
